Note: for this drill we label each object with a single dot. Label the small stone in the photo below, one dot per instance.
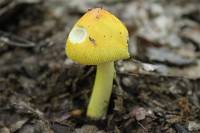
(193, 126)
(68, 62)
(156, 9)
(14, 127)
(4, 130)
(129, 67)
(127, 82)
(139, 113)
(149, 67)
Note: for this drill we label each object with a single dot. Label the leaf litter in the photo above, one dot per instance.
(41, 90)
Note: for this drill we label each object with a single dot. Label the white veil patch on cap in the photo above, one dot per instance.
(77, 35)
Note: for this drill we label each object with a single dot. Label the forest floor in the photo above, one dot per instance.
(157, 90)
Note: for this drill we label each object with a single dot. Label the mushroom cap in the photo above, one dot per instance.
(96, 38)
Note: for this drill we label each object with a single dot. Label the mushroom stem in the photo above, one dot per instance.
(102, 89)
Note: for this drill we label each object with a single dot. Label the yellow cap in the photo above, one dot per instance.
(96, 38)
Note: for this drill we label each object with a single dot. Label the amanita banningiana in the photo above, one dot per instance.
(98, 38)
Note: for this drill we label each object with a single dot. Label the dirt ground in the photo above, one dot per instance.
(157, 90)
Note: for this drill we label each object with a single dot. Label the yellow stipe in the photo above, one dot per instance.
(101, 93)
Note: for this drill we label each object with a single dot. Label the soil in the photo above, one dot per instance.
(157, 90)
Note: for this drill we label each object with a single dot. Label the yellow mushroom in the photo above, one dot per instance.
(98, 38)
